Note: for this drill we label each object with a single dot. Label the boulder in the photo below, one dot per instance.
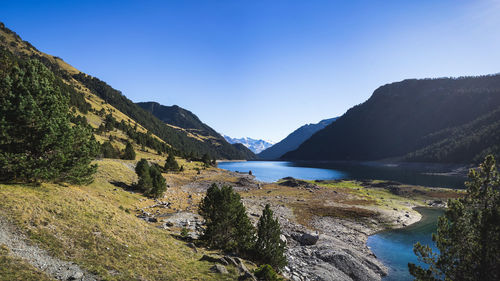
(209, 258)
(218, 268)
(283, 238)
(308, 239)
(77, 275)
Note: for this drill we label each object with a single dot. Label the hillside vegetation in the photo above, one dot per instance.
(182, 119)
(95, 100)
(433, 120)
(96, 227)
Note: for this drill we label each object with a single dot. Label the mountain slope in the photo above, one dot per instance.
(294, 140)
(404, 117)
(95, 100)
(256, 146)
(178, 117)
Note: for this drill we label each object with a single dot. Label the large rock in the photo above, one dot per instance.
(218, 268)
(308, 239)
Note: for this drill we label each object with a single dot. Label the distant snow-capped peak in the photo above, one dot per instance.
(256, 146)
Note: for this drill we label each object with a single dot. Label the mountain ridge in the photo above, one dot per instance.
(94, 99)
(397, 120)
(294, 139)
(255, 145)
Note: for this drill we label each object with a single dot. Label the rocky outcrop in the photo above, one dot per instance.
(335, 251)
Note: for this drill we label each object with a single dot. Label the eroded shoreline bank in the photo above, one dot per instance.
(327, 223)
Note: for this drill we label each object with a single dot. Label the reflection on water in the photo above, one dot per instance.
(395, 247)
(270, 171)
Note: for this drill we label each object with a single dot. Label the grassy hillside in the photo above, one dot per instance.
(178, 117)
(95, 226)
(94, 99)
(405, 117)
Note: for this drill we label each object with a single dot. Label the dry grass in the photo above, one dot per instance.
(15, 269)
(94, 227)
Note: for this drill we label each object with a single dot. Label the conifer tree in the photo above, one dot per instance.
(171, 164)
(129, 152)
(37, 140)
(159, 184)
(227, 224)
(468, 235)
(269, 247)
(145, 183)
(206, 160)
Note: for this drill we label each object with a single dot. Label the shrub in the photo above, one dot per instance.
(266, 273)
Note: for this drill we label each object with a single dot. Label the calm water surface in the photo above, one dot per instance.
(270, 171)
(394, 247)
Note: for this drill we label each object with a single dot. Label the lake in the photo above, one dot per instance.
(393, 247)
(415, 174)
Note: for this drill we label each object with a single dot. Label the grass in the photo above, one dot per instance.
(15, 269)
(90, 226)
(347, 199)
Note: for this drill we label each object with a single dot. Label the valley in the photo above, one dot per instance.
(123, 235)
(96, 186)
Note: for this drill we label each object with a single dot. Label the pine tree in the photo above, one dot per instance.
(151, 182)
(269, 247)
(37, 140)
(109, 151)
(206, 160)
(171, 164)
(159, 185)
(129, 152)
(227, 224)
(468, 235)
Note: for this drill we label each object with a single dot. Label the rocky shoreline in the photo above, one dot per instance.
(325, 248)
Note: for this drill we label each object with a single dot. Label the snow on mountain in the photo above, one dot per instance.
(254, 145)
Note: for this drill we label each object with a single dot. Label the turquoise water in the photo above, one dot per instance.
(395, 247)
(270, 171)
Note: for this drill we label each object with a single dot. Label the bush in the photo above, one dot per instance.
(227, 224)
(266, 273)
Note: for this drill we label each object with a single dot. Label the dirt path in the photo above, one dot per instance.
(20, 247)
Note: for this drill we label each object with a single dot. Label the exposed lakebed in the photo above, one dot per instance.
(393, 247)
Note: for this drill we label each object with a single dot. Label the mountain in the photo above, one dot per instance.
(101, 104)
(178, 117)
(293, 140)
(254, 145)
(450, 120)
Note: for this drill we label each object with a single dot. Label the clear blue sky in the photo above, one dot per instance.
(262, 68)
